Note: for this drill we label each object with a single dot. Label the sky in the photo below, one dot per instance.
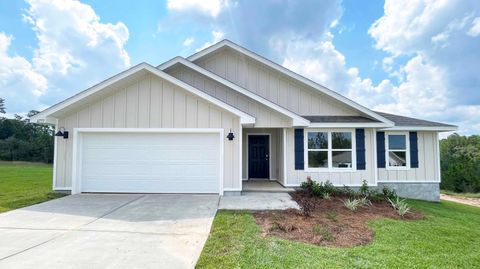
(416, 58)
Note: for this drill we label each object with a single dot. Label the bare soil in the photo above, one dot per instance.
(462, 200)
(329, 224)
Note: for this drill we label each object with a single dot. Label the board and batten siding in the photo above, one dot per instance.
(149, 102)
(272, 85)
(337, 178)
(264, 116)
(428, 166)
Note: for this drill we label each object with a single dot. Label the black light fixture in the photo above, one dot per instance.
(62, 132)
(230, 135)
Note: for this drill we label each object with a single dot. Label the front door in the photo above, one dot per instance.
(258, 156)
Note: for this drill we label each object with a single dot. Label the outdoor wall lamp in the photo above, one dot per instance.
(62, 132)
(230, 135)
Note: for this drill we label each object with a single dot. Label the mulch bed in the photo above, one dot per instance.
(330, 223)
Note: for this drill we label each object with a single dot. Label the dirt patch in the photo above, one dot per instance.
(330, 223)
(462, 200)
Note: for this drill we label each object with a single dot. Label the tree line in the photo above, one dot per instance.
(22, 140)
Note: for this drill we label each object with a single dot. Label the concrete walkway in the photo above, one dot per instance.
(258, 201)
(462, 200)
(108, 231)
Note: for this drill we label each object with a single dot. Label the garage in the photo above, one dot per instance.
(148, 161)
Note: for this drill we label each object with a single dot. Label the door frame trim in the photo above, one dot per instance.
(77, 148)
(269, 153)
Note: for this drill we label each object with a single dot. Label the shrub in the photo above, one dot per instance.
(307, 185)
(327, 196)
(364, 188)
(388, 193)
(352, 204)
(329, 188)
(347, 191)
(307, 206)
(318, 189)
(364, 201)
(323, 231)
(400, 206)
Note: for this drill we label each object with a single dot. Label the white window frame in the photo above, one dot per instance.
(329, 150)
(407, 151)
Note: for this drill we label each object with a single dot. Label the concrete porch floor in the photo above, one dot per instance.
(264, 186)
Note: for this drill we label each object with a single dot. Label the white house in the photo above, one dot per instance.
(207, 123)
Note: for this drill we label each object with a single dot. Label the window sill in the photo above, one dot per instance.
(330, 170)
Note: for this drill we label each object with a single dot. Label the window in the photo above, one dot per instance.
(330, 150)
(397, 151)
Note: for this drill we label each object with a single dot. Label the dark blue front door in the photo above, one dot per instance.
(258, 156)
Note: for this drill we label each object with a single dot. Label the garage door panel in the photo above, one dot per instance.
(150, 162)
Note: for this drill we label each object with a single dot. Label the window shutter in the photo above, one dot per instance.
(299, 157)
(360, 144)
(381, 149)
(413, 150)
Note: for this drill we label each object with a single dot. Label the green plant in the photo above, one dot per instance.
(327, 196)
(307, 185)
(364, 188)
(352, 204)
(364, 201)
(347, 191)
(400, 206)
(329, 188)
(388, 193)
(332, 215)
(323, 231)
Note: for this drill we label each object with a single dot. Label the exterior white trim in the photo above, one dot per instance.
(240, 158)
(329, 151)
(269, 153)
(62, 189)
(375, 157)
(244, 117)
(77, 148)
(347, 125)
(281, 69)
(439, 170)
(407, 151)
(55, 156)
(231, 189)
(284, 155)
(296, 119)
(420, 128)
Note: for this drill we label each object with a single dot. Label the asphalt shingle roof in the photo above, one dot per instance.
(406, 121)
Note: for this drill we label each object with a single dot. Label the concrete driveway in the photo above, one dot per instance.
(108, 231)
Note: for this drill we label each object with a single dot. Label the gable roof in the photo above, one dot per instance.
(57, 109)
(297, 120)
(229, 44)
(407, 123)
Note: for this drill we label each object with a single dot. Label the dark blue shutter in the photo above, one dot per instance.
(299, 157)
(360, 143)
(381, 149)
(413, 150)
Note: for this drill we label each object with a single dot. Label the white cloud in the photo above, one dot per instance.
(207, 7)
(20, 85)
(216, 37)
(475, 30)
(75, 50)
(188, 42)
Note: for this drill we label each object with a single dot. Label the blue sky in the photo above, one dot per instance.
(416, 58)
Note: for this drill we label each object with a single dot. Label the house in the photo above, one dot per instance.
(208, 123)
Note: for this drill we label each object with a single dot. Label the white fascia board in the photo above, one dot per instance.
(422, 128)
(244, 117)
(297, 120)
(349, 125)
(292, 74)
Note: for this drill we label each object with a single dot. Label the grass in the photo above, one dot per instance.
(461, 194)
(23, 184)
(449, 237)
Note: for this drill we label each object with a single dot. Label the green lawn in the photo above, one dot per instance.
(449, 237)
(23, 184)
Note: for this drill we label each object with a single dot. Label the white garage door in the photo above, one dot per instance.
(149, 162)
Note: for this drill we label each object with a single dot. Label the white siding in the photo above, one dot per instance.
(150, 103)
(427, 170)
(348, 178)
(265, 117)
(272, 85)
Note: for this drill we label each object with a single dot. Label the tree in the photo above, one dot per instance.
(2, 106)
